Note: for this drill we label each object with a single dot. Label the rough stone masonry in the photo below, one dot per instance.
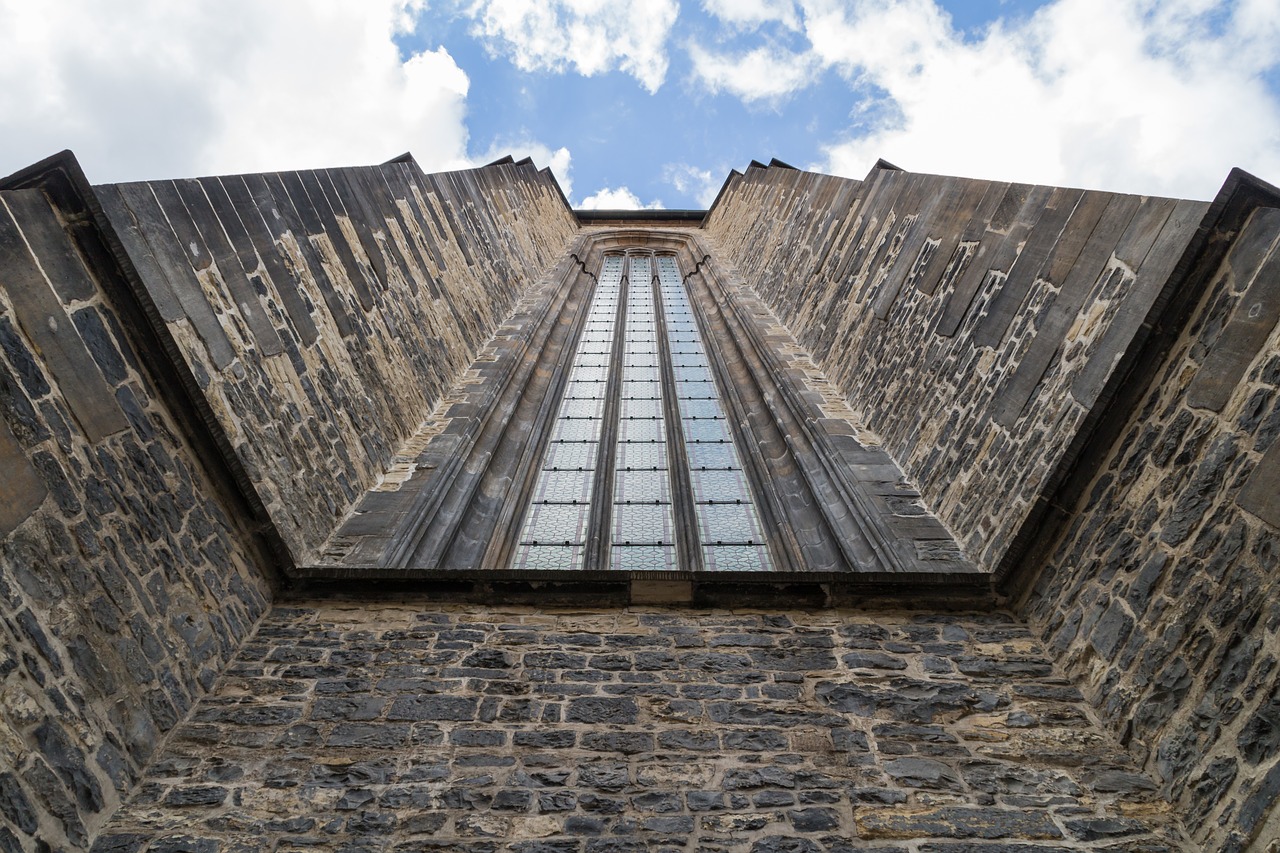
(200, 380)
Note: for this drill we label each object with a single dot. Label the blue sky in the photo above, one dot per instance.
(651, 102)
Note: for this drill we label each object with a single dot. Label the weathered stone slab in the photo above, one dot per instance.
(1161, 255)
(263, 243)
(23, 490)
(213, 235)
(49, 241)
(1246, 333)
(944, 194)
(330, 201)
(295, 208)
(47, 325)
(1018, 211)
(949, 232)
(1040, 243)
(1062, 314)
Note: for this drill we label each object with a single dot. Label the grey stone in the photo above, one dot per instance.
(813, 820)
(461, 708)
(15, 805)
(602, 710)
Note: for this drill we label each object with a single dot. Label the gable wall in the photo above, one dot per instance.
(323, 314)
(971, 324)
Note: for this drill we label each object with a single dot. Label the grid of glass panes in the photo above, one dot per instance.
(729, 529)
(643, 527)
(555, 530)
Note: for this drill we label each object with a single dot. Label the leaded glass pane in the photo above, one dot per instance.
(563, 487)
(642, 455)
(642, 524)
(700, 409)
(692, 374)
(642, 558)
(582, 373)
(696, 390)
(711, 455)
(642, 487)
(641, 429)
(550, 557)
(575, 390)
(571, 455)
(705, 429)
(577, 429)
(556, 524)
(637, 373)
(583, 408)
(651, 390)
(721, 486)
(728, 524)
(736, 558)
(642, 408)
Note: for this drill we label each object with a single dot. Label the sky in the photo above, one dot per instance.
(651, 102)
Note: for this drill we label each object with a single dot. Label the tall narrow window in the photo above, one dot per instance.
(641, 472)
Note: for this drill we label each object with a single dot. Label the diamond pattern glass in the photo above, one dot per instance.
(657, 323)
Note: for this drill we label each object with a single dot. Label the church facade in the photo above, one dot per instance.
(367, 509)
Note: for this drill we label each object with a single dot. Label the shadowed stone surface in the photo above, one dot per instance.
(563, 744)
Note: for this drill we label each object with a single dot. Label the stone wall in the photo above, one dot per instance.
(126, 580)
(972, 324)
(1160, 596)
(353, 725)
(323, 314)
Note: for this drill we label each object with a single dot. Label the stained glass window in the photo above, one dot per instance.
(640, 344)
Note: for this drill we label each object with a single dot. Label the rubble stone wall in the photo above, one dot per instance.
(349, 725)
(972, 324)
(126, 580)
(1161, 597)
(323, 314)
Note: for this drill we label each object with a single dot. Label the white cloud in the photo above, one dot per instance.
(618, 198)
(1123, 95)
(765, 73)
(749, 14)
(702, 184)
(1149, 96)
(149, 88)
(522, 145)
(592, 36)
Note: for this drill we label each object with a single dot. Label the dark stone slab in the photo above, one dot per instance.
(1031, 260)
(212, 231)
(105, 351)
(1261, 493)
(958, 822)
(1246, 333)
(1158, 261)
(51, 244)
(330, 194)
(1018, 211)
(260, 235)
(944, 194)
(162, 264)
(45, 322)
(24, 490)
(905, 206)
(296, 209)
(948, 231)
(1062, 313)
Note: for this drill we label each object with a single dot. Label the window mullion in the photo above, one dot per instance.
(688, 550)
(601, 519)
